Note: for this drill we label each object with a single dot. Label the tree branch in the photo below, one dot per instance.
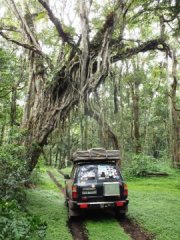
(98, 38)
(25, 45)
(29, 47)
(128, 7)
(154, 44)
(24, 25)
(2, 96)
(9, 28)
(65, 36)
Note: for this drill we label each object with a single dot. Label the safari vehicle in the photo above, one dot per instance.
(96, 182)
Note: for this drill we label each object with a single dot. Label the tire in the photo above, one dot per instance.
(66, 202)
(72, 214)
(120, 214)
(66, 199)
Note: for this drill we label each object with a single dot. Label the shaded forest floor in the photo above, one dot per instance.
(154, 205)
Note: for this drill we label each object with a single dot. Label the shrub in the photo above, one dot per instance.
(17, 224)
(15, 221)
(140, 165)
(13, 172)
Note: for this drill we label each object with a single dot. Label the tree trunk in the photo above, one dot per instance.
(135, 110)
(2, 135)
(116, 105)
(174, 115)
(50, 151)
(69, 139)
(82, 133)
(13, 106)
(85, 133)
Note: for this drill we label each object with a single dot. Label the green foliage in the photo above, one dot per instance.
(140, 165)
(40, 15)
(17, 224)
(13, 173)
(12, 77)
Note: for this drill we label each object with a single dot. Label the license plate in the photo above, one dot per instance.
(89, 192)
(105, 205)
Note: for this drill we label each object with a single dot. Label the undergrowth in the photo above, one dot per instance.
(15, 221)
(141, 165)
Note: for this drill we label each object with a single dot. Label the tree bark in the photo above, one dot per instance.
(2, 134)
(136, 124)
(174, 115)
(13, 106)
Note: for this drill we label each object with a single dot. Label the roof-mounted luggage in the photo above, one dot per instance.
(96, 154)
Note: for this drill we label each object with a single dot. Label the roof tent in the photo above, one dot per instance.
(96, 154)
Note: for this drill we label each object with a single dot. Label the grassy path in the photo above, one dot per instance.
(104, 227)
(154, 205)
(47, 202)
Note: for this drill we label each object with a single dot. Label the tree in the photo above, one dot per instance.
(174, 113)
(82, 64)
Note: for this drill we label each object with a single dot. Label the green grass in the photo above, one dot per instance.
(66, 170)
(155, 205)
(47, 202)
(58, 176)
(105, 229)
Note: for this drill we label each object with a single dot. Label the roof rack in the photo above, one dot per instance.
(96, 154)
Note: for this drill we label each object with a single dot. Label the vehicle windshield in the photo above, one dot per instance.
(97, 172)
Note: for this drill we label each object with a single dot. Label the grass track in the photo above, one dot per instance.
(47, 202)
(105, 229)
(102, 228)
(154, 204)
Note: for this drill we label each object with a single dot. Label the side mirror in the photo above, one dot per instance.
(66, 176)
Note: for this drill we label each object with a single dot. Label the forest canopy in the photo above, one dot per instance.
(82, 74)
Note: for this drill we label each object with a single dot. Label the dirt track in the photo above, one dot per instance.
(79, 231)
(134, 230)
(77, 228)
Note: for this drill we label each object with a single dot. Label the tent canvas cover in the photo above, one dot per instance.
(96, 154)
